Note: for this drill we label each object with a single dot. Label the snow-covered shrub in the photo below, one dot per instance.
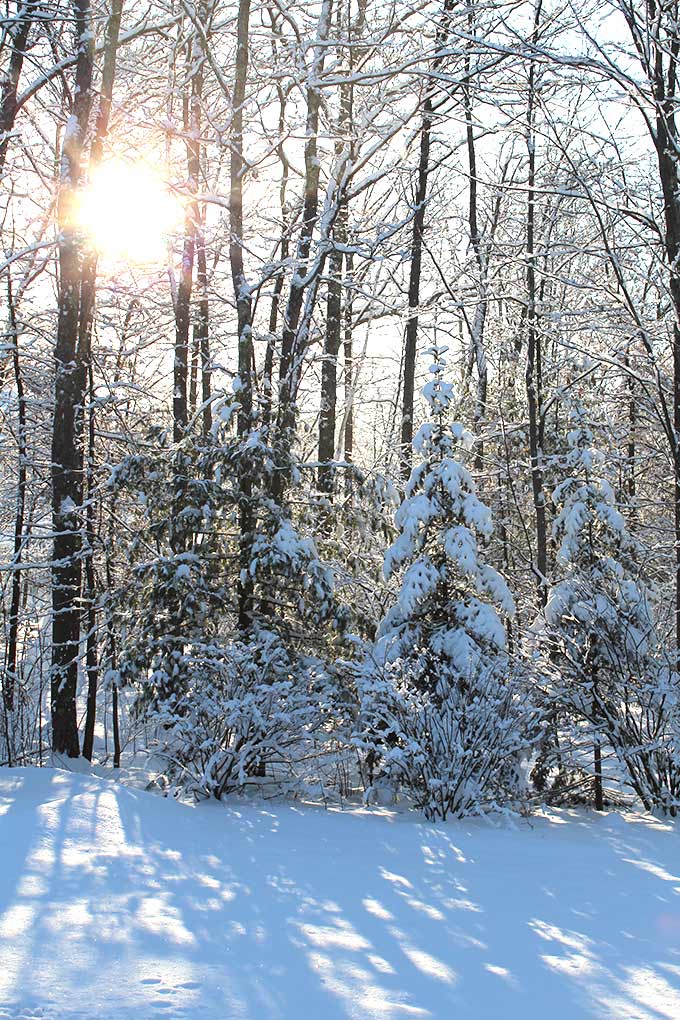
(456, 745)
(639, 711)
(439, 710)
(229, 615)
(21, 740)
(610, 680)
(247, 711)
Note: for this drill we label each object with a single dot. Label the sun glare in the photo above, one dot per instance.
(128, 211)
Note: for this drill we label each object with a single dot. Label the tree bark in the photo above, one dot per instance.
(90, 585)
(243, 313)
(68, 398)
(200, 350)
(415, 268)
(111, 640)
(334, 318)
(10, 672)
(411, 336)
(533, 375)
(348, 364)
(663, 67)
(192, 127)
(290, 340)
(476, 327)
(329, 370)
(86, 382)
(24, 18)
(202, 331)
(270, 352)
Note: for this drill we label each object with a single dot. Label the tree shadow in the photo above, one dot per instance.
(114, 901)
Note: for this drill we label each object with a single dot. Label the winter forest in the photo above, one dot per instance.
(341, 397)
(340, 485)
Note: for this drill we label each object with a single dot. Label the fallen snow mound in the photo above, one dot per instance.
(116, 903)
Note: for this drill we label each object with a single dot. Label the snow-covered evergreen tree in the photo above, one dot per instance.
(225, 699)
(439, 709)
(597, 633)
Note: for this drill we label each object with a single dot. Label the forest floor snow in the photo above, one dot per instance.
(117, 903)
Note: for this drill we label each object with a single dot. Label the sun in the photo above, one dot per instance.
(128, 212)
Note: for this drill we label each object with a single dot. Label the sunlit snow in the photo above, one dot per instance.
(116, 903)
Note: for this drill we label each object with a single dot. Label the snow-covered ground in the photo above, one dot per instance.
(116, 903)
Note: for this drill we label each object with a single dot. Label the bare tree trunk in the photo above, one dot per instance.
(334, 319)
(243, 312)
(477, 325)
(202, 331)
(24, 18)
(597, 749)
(180, 411)
(668, 143)
(533, 366)
(236, 225)
(289, 362)
(420, 199)
(10, 672)
(329, 368)
(656, 36)
(630, 477)
(111, 640)
(270, 352)
(193, 371)
(87, 305)
(68, 398)
(597, 784)
(411, 337)
(192, 127)
(90, 586)
(268, 368)
(200, 348)
(348, 362)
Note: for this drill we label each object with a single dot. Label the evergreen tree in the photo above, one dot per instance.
(224, 700)
(439, 707)
(597, 631)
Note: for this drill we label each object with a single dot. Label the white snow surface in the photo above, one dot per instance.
(115, 903)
